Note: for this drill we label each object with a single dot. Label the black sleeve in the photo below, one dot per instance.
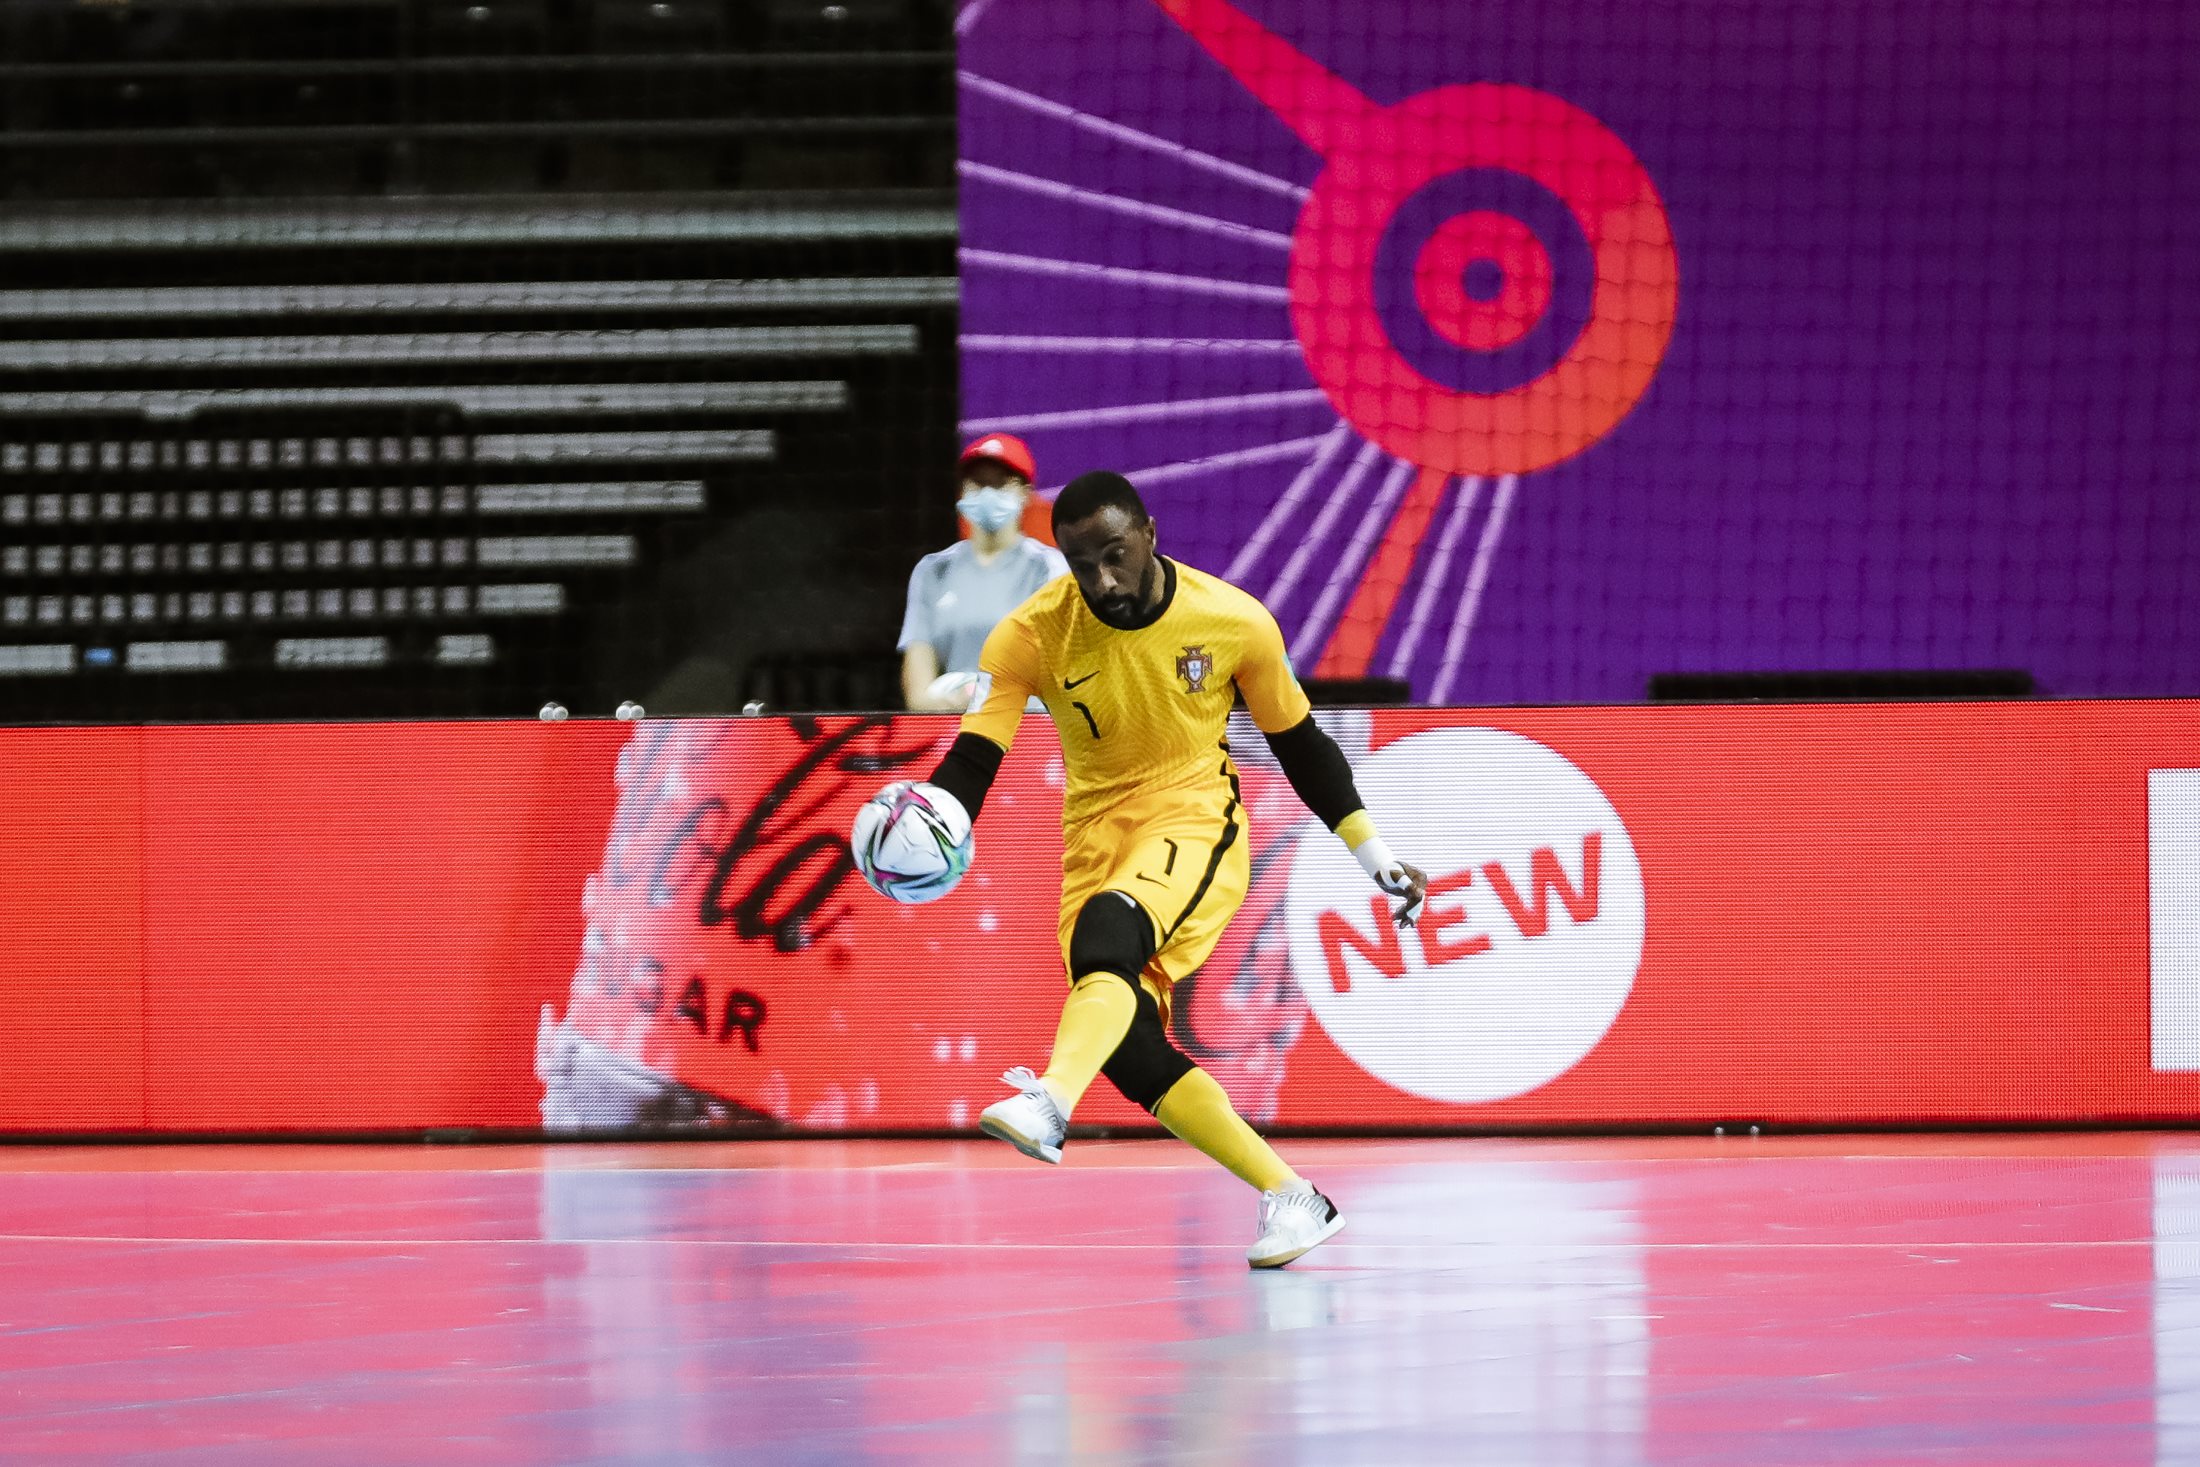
(967, 771)
(1318, 771)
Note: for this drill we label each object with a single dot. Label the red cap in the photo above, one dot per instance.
(1007, 448)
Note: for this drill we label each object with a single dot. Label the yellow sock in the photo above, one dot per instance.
(1198, 1111)
(1095, 1018)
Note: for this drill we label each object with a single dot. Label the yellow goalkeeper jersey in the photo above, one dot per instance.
(1140, 711)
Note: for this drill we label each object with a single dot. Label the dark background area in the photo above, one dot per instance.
(428, 359)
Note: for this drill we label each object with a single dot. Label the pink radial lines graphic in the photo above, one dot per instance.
(1541, 356)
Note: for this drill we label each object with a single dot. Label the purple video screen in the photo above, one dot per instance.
(1527, 352)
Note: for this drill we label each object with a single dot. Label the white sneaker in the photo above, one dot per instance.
(1029, 1120)
(1293, 1219)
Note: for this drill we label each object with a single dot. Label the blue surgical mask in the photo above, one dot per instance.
(989, 511)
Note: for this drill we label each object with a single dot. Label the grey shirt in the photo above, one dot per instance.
(954, 602)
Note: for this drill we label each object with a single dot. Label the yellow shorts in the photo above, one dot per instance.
(1183, 857)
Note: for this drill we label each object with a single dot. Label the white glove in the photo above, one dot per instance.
(1389, 873)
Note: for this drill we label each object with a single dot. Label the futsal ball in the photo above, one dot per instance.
(912, 842)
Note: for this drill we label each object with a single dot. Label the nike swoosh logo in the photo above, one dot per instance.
(1071, 682)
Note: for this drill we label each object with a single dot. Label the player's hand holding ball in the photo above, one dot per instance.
(912, 842)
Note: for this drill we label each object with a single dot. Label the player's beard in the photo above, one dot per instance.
(1124, 611)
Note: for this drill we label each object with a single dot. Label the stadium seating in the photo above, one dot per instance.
(479, 352)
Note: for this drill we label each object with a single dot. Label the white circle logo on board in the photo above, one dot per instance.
(1532, 935)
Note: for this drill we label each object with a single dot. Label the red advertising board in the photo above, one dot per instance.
(1643, 916)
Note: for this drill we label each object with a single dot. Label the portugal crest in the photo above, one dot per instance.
(1193, 667)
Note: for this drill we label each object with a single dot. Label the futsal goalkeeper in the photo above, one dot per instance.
(1139, 659)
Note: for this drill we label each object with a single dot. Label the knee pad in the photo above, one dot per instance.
(1112, 934)
(1145, 1065)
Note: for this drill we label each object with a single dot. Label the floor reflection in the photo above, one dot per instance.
(1783, 1300)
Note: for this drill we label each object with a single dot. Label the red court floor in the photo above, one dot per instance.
(1837, 1300)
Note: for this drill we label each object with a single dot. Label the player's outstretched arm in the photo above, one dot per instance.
(1006, 681)
(1322, 777)
(967, 770)
(913, 842)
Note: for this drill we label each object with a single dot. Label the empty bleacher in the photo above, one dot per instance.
(401, 357)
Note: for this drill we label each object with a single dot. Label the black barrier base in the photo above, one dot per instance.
(1829, 687)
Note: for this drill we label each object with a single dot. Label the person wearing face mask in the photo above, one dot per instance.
(956, 595)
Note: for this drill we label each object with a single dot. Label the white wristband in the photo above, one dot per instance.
(1375, 858)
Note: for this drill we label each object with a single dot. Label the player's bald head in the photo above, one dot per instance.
(1087, 494)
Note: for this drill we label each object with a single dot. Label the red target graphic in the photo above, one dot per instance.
(1507, 255)
(1484, 280)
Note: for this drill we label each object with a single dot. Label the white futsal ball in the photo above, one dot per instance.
(912, 842)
